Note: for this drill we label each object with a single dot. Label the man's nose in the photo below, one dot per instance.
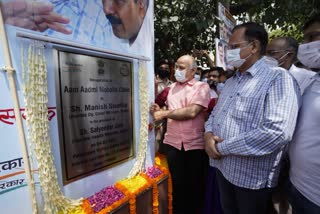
(109, 7)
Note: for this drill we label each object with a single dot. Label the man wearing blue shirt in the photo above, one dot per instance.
(251, 124)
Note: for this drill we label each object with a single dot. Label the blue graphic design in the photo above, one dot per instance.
(87, 22)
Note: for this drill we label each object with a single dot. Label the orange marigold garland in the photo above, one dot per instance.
(161, 162)
(134, 187)
(155, 195)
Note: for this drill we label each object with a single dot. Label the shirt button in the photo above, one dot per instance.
(230, 96)
(238, 94)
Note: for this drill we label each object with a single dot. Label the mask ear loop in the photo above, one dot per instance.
(286, 54)
(246, 47)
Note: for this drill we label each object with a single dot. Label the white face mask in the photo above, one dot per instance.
(197, 77)
(234, 59)
(309, 54)
(180, 75)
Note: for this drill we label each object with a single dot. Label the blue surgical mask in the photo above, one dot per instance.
(180, 75)
(220, 86)
(197, 77)
(204, 80)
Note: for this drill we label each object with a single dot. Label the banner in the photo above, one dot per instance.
(122, 26)
(227, 23)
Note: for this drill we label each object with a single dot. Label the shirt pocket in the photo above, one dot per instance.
(246, 111)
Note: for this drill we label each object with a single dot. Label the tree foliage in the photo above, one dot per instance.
(181, 25)
(282, 17)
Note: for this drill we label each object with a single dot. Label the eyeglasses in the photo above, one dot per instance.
(275, 52)
(236, 45)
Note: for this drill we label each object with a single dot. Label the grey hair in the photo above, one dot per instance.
(193, 64)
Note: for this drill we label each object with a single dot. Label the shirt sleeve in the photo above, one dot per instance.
(208, 125)
(279, 120)
(201, 95)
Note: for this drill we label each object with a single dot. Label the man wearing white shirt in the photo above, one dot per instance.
(304, 150)
(284, 50)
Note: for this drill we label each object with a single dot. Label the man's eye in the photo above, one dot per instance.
(120, 3)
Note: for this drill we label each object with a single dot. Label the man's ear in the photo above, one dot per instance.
(142, 3)
(255, 46)
(193, 71)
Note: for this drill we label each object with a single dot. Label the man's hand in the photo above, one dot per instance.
(154, 107)
(37, 16)
(196, 53)
(211, 145)
(159, 115)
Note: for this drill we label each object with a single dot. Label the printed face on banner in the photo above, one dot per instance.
(78, 20)
(125, 16)
(221, 52)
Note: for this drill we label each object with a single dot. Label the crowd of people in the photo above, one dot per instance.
(237, 141)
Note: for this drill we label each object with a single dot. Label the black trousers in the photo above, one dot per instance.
(188, 171)
(237, 200)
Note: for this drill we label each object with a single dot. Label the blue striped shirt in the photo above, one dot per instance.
(255, 115)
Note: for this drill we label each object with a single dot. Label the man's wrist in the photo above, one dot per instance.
(222, 148)
(165, 113)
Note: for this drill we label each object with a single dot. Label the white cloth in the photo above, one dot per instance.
(213, 94)
(304, 150)
(303, 77)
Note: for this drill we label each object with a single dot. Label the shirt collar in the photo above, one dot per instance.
(254, 69)
(190, 82)
(316, 77)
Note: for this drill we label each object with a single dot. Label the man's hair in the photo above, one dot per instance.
(163, 62)
(254, 31)
(314, 19)
(291, 44)
(219, 69)
(193, 64)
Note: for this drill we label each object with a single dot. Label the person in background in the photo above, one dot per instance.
(187, 99)
(162, 76)
(199, 54)
(161, 85)
(212, 199)
(251, 124)
(223, 76)
(304, 150)
(284, 50)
